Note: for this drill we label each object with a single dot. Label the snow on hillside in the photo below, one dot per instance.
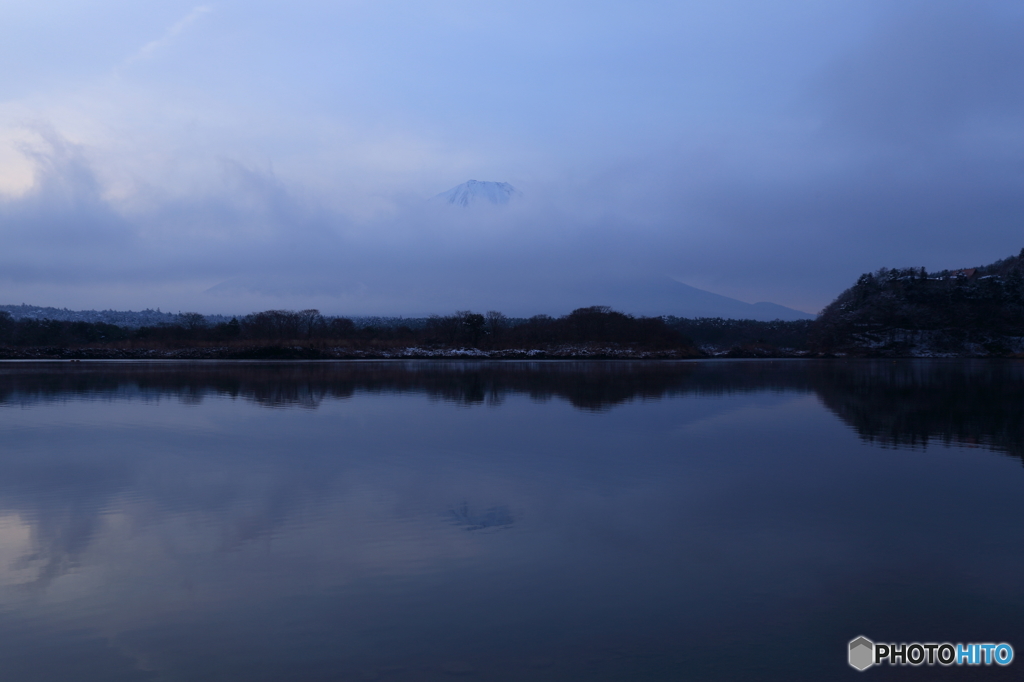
(122, 318)
(475, 191)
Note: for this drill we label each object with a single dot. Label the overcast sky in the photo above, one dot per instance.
(236, 156)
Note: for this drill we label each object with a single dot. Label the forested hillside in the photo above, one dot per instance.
(974, 311)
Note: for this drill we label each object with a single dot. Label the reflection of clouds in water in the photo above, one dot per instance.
(16, 566)
(153, 560)
(137, 517)
(209, 477)
(60, 538)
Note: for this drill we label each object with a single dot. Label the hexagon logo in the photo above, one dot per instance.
(862, 653)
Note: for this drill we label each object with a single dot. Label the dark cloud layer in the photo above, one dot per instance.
(898, 147)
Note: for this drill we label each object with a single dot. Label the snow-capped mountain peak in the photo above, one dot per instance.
(476, 191)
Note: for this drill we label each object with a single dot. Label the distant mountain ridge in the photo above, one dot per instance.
(662, 295)
(653, 297)
(122, 318)
(700, 303)
(477, 191)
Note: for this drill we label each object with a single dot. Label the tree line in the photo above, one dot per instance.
(591, 326)
(493, 330)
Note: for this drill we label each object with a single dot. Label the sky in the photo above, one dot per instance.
(237, 156)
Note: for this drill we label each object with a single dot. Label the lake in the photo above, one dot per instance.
(408, 521)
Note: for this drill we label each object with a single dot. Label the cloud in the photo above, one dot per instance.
(770, 156)
(147, 50)
(63, 214)
(933, 72)
(252, 238)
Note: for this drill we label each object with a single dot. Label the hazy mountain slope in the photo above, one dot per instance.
(536, 294)
(700, 303)
(665, 296)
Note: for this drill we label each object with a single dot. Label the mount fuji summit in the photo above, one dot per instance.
(477, 191)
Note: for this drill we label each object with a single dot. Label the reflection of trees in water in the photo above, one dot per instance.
(912, 404)
(895, 404)
(591, 385)
(898, 404)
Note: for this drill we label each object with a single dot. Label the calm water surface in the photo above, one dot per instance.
(505, 521)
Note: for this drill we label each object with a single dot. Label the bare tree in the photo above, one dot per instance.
(496, 323)
(192, 321)
(311, 322)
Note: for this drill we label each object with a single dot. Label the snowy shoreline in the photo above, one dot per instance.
(339, 353)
